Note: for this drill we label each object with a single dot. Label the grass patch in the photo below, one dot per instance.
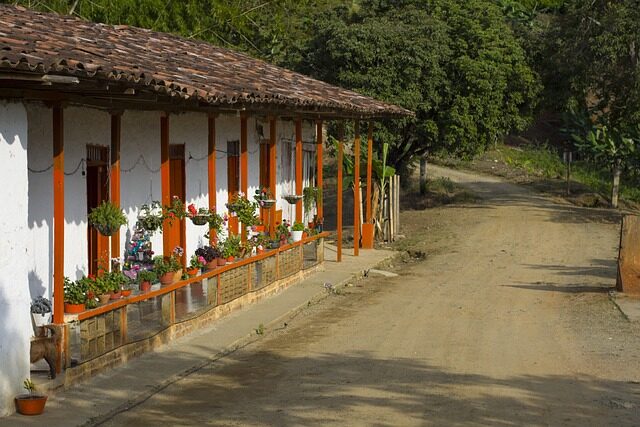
(530, 163)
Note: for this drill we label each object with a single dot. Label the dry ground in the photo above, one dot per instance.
(505, 322)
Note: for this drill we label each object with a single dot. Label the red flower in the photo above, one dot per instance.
(192, 210)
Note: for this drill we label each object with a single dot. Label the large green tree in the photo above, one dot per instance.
(456, 64)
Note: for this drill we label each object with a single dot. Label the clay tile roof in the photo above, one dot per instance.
(167, 64)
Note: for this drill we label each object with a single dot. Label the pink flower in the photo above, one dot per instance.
(202, 260)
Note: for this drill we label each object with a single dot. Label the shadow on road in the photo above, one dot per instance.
(266, 388)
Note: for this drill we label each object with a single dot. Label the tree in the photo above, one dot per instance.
(456, 64)
(600, 41)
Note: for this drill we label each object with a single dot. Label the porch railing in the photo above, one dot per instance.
(143, 315)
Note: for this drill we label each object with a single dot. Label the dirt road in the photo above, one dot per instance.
(505, 323)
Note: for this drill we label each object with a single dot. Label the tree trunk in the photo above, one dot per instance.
(616, 185)
(423, 175)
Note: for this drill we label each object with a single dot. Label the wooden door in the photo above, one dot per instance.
(177, 187)
(97, 192)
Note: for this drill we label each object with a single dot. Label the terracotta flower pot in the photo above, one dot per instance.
(211, 264)
(167, 278)
(126, 292)
(259, 228)
(104, 298)
(116, 295)
(221, 261)
(73, 308)
(230, 258)
(192, 272)
(30, 405)
(145, 286)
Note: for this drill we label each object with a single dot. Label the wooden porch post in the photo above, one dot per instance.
(299, 168)
(58, 215)
(339, 193)
(319, 148)
(273, 138)
(211, 167)
(116, 127)
(244, 166)
(356, 190)
(165, 178)
(369, 171)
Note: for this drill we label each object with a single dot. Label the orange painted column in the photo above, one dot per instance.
(299, 168)
(356, 190)
(211, 167)
(319, 149)
(116, 127)
(58, 215)
(273, 139)
(339, 193)
(165, 179)
(244, 166)
(369, 172)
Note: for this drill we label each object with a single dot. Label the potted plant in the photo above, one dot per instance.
(41, 311)
(195, 264)
(32, 403)
(198, 216)
(107, 218)
(99, 287)
(231, 248)
(296, 231)
(264, 198)
(174, 211)
(75, 296)
(176, 264)
(244, 209)
(282, 232)
(150, 217)
(311, 197)
(116, 281)
(292, 198)
(208, 256)
(146, 278)
(164, 269)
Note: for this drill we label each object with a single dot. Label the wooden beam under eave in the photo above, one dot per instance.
(356, 190)
(319, 152)
(165, 179)
(116, 131)
(58, 215)
(273, 139)
(211, 168)
(299, 168)
(339, 193)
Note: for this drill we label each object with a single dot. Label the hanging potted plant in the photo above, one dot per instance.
(107, 218)
(311, 198)
(292, 198)
(174, 211)
(41, 311)
(150, 217)
(198, 216)
(75, 296)
(31, 403)
(264, 198)
(244, 209)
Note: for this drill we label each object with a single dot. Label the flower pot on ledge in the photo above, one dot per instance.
(145, 286)
(73, 308)
(167, 278)
(27, 404)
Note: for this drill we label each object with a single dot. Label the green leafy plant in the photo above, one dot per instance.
(29, 386)
(311, 197)
(151, 217)
(244, 209)
(175, 211)
(147, 276)
(231, 246)
(163, 265)
(297, 226)
(74, 292)
(41, 305)
(107, 218)
(282, 230)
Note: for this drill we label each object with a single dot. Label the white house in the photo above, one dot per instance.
(91, 112)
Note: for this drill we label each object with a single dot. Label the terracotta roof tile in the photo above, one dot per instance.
(167, 64)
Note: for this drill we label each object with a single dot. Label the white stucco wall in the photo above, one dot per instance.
(15, 324)
(140, 168)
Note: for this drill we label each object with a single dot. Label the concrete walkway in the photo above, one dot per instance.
(108, 393)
